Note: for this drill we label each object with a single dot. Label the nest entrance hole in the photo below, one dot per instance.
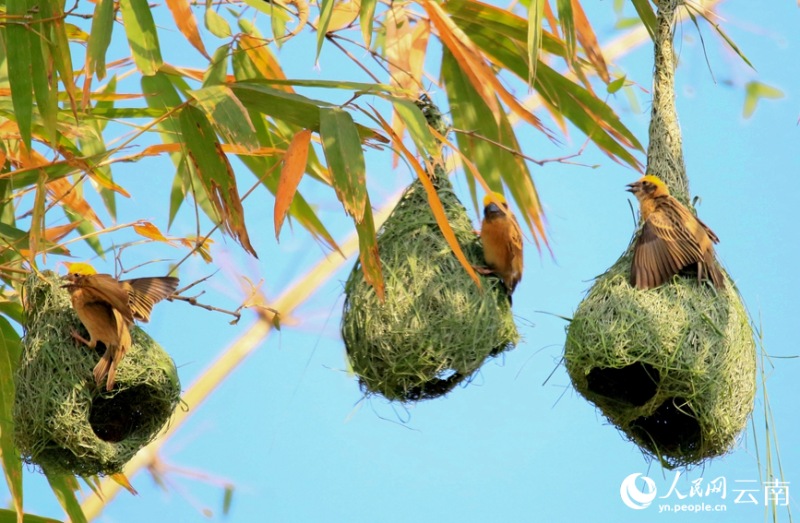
(118, 417)
(672, 428)
(634, 384)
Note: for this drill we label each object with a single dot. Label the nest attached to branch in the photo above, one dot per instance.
(672, 367)
(64, 422)
(436, 327)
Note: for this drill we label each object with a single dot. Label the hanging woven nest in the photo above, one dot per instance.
(435, 327)
(64, 422)
(673, 367)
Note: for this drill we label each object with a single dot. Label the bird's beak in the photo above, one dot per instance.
(632, 187)
(492, 207)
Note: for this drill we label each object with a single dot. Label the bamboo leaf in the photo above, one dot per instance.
(645, 11)
(325, 13)
(227, 114)
(588, 40)
(19, 45)
(142, 36)
(46, 94)
(10, 516)
(100, 38)
(368, 254)
(417, 126)
(342, 147)
(187, 24)
(535, 15)
(59, 46)
(567, 22)
(294, 165)
(217, 71)
(64, 488)
(366, 20)
(150, 231)
(755, 91)
(10, 352)
(215, 173)
(616, 85)
(217, 25)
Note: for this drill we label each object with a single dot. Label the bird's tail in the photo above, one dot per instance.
(107, 366)
(713, 271)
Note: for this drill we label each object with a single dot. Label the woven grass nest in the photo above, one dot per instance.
(435, 328)
(673, 367)
(66, 424)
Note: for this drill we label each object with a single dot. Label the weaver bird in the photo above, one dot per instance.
(107, 308)
(502, 241)
(672, 240)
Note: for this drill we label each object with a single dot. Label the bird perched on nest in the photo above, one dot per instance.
(107, 308)
(672, 239)
(502, 241)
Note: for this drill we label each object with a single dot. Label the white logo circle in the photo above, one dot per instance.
(635, 498)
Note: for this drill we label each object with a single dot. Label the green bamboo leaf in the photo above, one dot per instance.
(567, 22)
(216, 24)
(227, 500)
(342, 147)
(227, 114)
(724, 36)
(616, 85)
(325, 12)
(64, 488)
(215, 173)
(10, 516)
(46, 94)
(142, 35)
(368, 253)
(755, 91)
(13, 310)
(645, 11)
(19, 45)
(499, 25)
(291, 108)
(10, 352)
(217, 71)
(366, 14)
(417, 126)
(535, 16)
(59, 45)
(100, 37)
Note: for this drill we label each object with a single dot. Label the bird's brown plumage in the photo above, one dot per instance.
(501, 237)
(107, 308)
(672, 239)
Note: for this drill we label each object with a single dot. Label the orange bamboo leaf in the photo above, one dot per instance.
(187, 24)
(57, 233)
(294, 165)
(433, 200)
(263, 60)
(63, 190)
(121, 479)
(588, 40)
(150, 231)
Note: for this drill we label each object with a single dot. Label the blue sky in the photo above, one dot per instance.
(295, 436)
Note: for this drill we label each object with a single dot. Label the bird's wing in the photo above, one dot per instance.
(104, 288)
(144, 293)
(665, 246)
(708, 231)
(515, 237)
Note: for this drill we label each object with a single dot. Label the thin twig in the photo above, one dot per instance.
(560, 159)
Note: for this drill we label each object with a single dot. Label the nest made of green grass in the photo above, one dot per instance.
(64, 422)
(673, 367)
(435, 327)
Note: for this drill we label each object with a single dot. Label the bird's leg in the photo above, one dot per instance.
(81, 339)
(483, 270)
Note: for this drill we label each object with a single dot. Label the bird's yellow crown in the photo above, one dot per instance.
(80, 268)
(493, 197)
(655, 180)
